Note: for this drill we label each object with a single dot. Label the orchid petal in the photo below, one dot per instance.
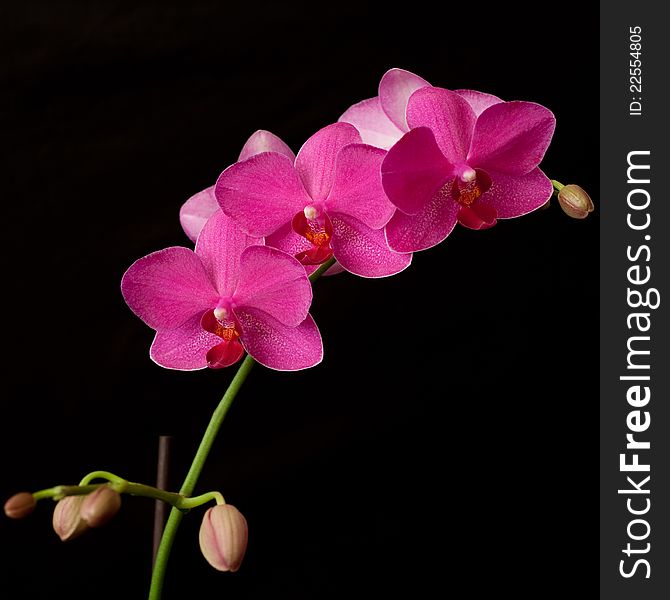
(514, 196)
(196, 210)
(219, 246)
(427, 228)
(224, 354)
(261, 193)
(413, 170)
(315, 162)
(185, 347)
(478, 216)
(278, 346)
(264, 141)
(363, 251)
(448, 115)
(372, 123)
(357, 189)
(166, 288)
(511, 137)
(395, 89)
(274, 282)
(479, 101)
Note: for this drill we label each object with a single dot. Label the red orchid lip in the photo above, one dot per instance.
(318, 231)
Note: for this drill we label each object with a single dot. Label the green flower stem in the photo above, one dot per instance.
(558, 186)
(102, 475)
(174, 520)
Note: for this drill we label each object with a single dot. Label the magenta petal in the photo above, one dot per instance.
(511, 137)
(264, 141)
(395, 88)
(279, 346)
(196, 210)
(357, 189)
(261, 193)
(479, 101)
(427, 228)
(478, 216)
(413, 170)
(219, 246)
(513, 196)
(287, 240)
(315, 162)
(274, 282)
(224, 354)
(184, 348)
(372, 123)
(166, 288)
(448, 115)
(364, 251)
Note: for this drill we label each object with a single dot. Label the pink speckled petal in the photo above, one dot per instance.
(395, 88)
(514, 196)
(166, 288)
(279, 346)
(219, 246)
(372, 123)
(196, 210)
(264, 141)
(413, 170)
(357, 189)
(448, 115)
(185, 347)
(364, 251)
(315, 162)
(427, 228)
(511, 137)
(479, 101)
(261, 193)
(274, 282)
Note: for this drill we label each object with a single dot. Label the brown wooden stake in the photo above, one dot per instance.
(160, 509)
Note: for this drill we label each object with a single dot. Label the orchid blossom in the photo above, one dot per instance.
(230, 295)
(468, 157)
(328, 201)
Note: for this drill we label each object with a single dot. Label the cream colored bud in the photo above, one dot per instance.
(100, 506)
(223, 537)
(20, 505)
(575, 202)
(67, 521)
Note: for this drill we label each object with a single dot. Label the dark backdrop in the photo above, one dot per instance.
(449, 437)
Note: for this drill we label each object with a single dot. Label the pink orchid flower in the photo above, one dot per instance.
(381, 120)
(232, 294)
(468, 157)
(199, 208)
(327, 201)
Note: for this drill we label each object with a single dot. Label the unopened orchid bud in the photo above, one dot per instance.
(67, 521)
(20, 505)
(223, 537)
(574, 201)
(100, 506)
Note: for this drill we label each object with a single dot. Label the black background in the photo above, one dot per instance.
(449, 436)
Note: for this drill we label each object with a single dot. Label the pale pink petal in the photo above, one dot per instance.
(395, 88)
(364, 251)
(357, 189)
(372, 123)
(448, 115)
(427, 228)
(513, 196)
(511, 137)
(184, 348)
(279, 346)
(219, 246)
(479, 101)
(196, 210)
(274, 282)
(166, 288)
(315, 162)
(261, 193)
(264, 141)
(414, 169)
